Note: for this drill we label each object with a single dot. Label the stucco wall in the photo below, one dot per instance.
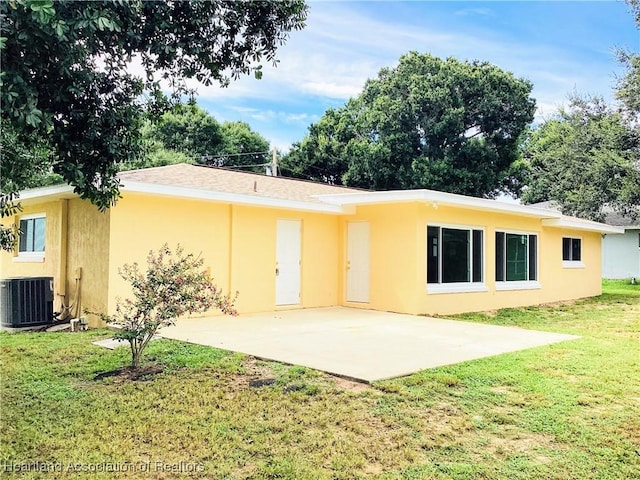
(88, 250)
(621, 255)
(254, 258)
(394, 245)
(51, 265)
(140, 223)
(77, 235)
(237, 243)
(398, 260)
(556, 282)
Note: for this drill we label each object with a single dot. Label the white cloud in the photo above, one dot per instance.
(268, 114)
(344, 44)
(340, 49)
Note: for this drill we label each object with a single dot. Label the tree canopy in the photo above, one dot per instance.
(66, 73)
(241, 146)
(187, 133)
(427, 123)
(628, 88)
(188, 129)
(585, 158)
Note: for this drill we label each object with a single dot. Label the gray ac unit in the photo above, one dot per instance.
(26, 301)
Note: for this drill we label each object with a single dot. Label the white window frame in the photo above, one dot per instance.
(30, 257)
(508, 285)
(572, 263)
(458, 287)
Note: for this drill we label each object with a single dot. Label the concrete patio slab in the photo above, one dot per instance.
(360, 344)
(112, 343)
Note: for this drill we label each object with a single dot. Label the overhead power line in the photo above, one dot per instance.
(225, 155)
(247, 166)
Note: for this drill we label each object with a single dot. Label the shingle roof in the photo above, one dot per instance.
(548, 205)
(200, 177)
(619, 220)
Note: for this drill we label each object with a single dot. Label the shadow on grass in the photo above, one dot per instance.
(142, 373)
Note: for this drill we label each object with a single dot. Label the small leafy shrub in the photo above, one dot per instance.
(174, 284)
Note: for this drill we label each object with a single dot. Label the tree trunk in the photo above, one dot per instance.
(135, 354)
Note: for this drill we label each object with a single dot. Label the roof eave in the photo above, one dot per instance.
(234, 198)
(33, 196)
(579, 224)
(435, 198)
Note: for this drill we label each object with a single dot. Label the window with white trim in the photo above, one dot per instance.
(571, 249)
(31, 239)
(516, 257)
(572, 252)
(454, 255)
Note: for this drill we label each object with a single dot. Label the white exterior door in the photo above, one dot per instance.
(357, 262)
(288, 249)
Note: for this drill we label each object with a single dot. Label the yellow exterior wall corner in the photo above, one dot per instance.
(88, 257)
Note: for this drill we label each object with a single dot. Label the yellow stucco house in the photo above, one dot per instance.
(285, 243)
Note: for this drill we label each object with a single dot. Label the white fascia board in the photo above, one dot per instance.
(579, 224)
(234, 198)
(43, 194)
(436, 198)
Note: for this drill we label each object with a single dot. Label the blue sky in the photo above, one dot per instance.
(559, 46)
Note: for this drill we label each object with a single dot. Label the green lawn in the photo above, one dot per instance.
(565, 411)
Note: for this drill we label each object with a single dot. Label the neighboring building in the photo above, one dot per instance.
(621, 253)
(285, 243)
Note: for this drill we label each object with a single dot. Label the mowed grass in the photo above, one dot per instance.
(565, 411)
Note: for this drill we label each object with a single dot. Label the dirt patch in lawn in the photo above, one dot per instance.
(349, 385)
(257, 368)
(255, 374)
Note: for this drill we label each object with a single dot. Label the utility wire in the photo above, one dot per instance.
(224, 155)
(246, 166)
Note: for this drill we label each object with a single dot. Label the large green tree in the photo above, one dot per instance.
(241, 146)
(585, 158)
(187, 133)
(628, 88)
(66, 69)
(66, 74)
(427, 123)
(188, 129)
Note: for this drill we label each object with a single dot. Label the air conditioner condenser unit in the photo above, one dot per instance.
(26, 302)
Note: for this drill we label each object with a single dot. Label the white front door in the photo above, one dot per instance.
(358, 262)
(288, 249)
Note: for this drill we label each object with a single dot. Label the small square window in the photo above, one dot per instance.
(571, 249)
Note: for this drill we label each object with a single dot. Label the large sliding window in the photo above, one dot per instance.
(516, 257)
(454, 255)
